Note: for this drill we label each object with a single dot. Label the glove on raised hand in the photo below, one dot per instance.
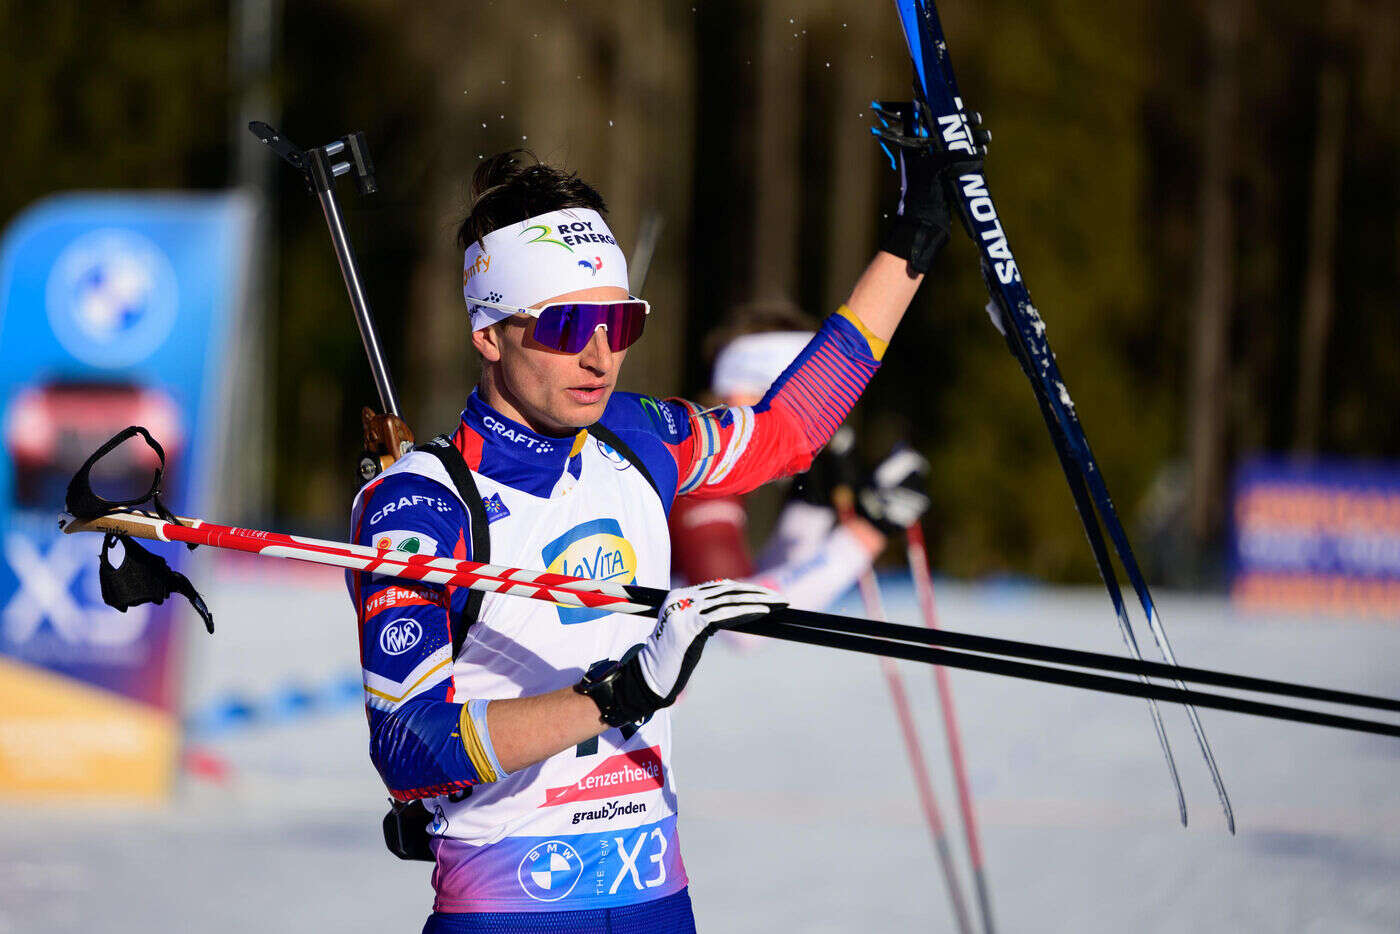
(927, 164)
(652, 678)
(895, 495)
(834, 466)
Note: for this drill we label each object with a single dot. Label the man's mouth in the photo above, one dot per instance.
(587, 395)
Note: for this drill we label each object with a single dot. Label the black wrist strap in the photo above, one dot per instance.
(141, 577)
(916, 243)
(620, 691)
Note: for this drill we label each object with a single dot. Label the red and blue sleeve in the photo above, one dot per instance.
(424, 740)
(732, 450)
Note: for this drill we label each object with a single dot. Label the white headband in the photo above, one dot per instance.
(540, 257)
(752, 363)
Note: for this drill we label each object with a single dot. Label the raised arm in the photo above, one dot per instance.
(732, 450)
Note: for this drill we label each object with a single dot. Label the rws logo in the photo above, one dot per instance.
(596, 550)
(400, 636)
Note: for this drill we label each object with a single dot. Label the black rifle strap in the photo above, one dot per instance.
(452, 461)
(607, 436)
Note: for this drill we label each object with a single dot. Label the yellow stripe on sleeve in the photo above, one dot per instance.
(476, 751)
(877, 346)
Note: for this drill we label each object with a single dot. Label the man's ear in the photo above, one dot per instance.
(487, 342)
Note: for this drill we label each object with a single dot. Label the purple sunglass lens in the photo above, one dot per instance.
(570, 327)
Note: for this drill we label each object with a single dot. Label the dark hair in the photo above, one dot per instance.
(757, 317)
(511, 186)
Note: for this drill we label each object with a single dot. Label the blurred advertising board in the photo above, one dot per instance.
(1317, 536)
(115, 309)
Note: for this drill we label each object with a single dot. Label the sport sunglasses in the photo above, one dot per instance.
(569, 326)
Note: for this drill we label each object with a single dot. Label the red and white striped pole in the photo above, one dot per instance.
(923, 583)
(842, 499)
(540, 585)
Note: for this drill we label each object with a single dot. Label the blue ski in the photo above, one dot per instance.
(1024, 331)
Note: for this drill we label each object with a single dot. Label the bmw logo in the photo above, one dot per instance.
(550, 871)
(112, 298)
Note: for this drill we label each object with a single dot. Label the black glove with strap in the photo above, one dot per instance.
(834, 466)
(654, 675)
(928, 159)
(895, 494)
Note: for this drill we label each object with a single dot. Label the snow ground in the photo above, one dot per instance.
(797, 808)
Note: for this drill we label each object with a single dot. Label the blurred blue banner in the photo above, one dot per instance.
(1317, 536)
(115, 309)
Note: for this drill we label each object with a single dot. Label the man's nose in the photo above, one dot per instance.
(597, 355)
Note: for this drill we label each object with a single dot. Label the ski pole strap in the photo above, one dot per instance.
(140, 576)
(82, 502)
(143, 577)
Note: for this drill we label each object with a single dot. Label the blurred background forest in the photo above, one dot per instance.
(1203, 197)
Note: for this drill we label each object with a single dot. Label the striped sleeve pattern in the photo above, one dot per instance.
(732, 450)
(822, 385)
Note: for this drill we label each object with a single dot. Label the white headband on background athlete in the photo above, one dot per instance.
(748, 365)
(523, 264)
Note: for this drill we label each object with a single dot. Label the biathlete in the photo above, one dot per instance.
(537, 737)
(814, 555)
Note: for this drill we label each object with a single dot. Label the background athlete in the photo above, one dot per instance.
(538, 736)
(813, 555)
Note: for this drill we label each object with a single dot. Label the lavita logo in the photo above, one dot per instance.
(596, 550)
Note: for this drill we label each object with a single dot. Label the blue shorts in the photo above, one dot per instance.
(669, 915)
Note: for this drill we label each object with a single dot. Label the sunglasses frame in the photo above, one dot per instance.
(537, 312)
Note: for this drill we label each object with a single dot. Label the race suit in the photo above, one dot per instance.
(593, 826)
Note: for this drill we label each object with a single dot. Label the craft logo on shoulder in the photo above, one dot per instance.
(436, 503)
(495, 508)
(549, 871)
(403, 540)
(400, 636)
(112, 298)
(502, 430)
(627, 773)
(596, 550)
(592, 266)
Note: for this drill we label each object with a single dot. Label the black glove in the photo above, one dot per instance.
(895, 495)
(927, 164)
(834, 466)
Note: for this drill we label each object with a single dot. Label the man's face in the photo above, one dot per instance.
(550, 391)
